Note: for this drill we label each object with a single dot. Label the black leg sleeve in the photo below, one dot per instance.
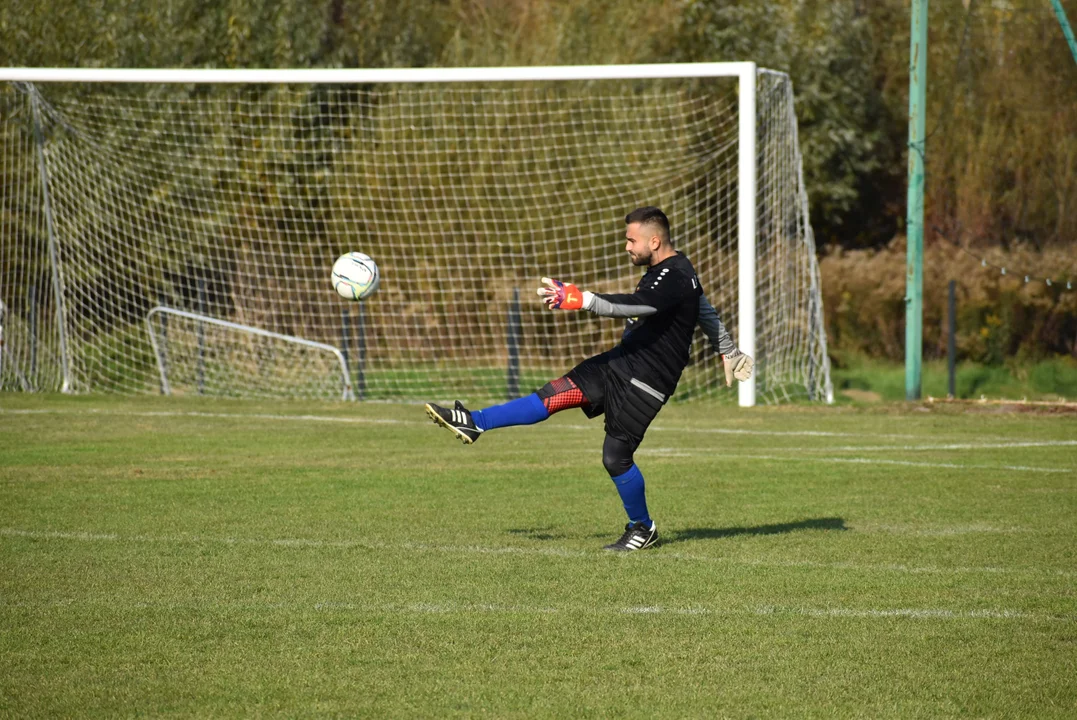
(617, 455)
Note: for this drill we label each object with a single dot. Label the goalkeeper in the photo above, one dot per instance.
(631, 382)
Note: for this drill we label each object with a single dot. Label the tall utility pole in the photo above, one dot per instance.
(914, 219)
(1066, 31)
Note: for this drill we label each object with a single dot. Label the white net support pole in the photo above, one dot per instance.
(746, 201)
(57, 278)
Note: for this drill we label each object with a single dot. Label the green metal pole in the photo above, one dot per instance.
(914, 220)
(1066, 30)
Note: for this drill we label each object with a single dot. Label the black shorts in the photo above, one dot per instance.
(629, 404)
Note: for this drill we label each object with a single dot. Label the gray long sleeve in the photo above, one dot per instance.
(604, 308)
(712, 327)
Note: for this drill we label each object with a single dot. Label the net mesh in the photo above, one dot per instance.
(232, 202)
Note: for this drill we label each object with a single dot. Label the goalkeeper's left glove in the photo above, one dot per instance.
(737, 365)
(561, 295)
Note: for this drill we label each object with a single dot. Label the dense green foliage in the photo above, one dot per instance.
(859, 379)
(171, 557)
(1002, 118)
(1002, 156)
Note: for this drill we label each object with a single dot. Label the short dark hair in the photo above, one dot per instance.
(650, 215)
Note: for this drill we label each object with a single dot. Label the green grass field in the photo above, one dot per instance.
(863, 379)
(217, 559)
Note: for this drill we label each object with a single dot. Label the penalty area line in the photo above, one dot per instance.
(762, 610)
(678, 453)
(391, 421)
(220, 415)
(944, 446)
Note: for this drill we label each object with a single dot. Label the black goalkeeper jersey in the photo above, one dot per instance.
(662, 315)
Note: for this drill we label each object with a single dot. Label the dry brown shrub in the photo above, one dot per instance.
(999, 316)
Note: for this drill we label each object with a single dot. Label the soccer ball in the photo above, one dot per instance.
(355, 276)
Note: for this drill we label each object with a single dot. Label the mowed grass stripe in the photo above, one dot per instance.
(657, 427)
(805, 454)
(984, 443)
(421, 547)
(189, 557)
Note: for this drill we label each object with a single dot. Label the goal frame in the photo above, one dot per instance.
(162, 367)
(745, 72)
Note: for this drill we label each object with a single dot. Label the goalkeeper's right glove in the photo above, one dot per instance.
(737, 365)
(560, 295)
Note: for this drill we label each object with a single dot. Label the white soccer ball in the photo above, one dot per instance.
(355, 276)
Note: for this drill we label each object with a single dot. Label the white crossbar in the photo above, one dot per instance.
(377, 75)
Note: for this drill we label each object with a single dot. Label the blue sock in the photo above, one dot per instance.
(630, 487)
(521, 411)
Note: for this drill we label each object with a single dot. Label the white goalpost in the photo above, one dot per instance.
(219, 199)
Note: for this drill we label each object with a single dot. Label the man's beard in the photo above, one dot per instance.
(641, 260)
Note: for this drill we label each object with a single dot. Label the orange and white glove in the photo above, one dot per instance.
(561, 296)
(737, 365)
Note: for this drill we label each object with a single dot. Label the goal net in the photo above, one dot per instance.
(231, 200)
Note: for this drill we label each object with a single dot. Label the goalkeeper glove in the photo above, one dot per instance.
(737, 365)
(560, 295)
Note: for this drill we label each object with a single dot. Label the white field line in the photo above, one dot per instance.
(681, 453)
(198, 414)
(822, 612)
(916, 613)
(658, 555)
(947, 446)
(387, 421)
(986, 445)
(902, 448)
(452, 608)
(945, 531)
(664, 452)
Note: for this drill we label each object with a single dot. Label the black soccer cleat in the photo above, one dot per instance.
(458, 419)
(637, 537)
